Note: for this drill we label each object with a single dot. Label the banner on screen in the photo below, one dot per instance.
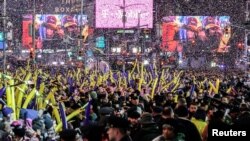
(50, 30)
(109, 13)
(195, 33)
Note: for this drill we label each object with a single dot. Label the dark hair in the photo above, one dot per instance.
(68, 135)
(181, 111)
(19, 131)
(200, 114)
(167, 111)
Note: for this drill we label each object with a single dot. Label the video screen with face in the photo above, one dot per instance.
(50, 29)
(195, 34)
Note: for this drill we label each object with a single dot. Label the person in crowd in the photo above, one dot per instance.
(186, 127)
(192, 109)
(157, 112)
(168, 133)
(75, 87)
(199, 120)
(149, 129)
(117, 129)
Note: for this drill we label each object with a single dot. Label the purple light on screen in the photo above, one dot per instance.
(109, 13)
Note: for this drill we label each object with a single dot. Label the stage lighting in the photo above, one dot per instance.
(113, 50)
(118, 50)
(134, 50)
(39, 56)
(62, 63)
(213, 64)
(145, 62)
(180, 61)
(54, 63)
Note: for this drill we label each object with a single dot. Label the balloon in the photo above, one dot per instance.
(63, 115)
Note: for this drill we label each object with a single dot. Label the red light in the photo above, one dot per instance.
(240, 45)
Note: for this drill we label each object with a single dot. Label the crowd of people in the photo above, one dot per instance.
(142, 104)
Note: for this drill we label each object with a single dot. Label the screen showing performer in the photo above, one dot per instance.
(50, 30)
(195, 34)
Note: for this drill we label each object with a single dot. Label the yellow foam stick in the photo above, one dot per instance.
(129, 76)
(153, 89)
(70, 116)
(30, 96)
(20, 94)
(40, 98)
(13, 104)
(78, 74)
(167, 85)
(6, 76)
(176, 98)
(9, 96)
(141, 77)
(212, 88)
(176, 85)
(135, 64)
(217, 85)
(56, 114)
(50, 97)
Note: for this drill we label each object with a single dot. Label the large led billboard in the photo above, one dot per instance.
(50, 30)
(195, 34)
(109, 13)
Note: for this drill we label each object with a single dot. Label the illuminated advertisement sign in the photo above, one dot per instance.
(109, 13)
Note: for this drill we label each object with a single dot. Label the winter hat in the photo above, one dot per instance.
(147, 118)
(37, 124)
(6, 111)
(48, 122)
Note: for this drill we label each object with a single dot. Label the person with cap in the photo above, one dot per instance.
(104, 114)
(213, 33)
(133, 117)
(54, 33)
(117, 129)
(149, 129)
(51, 26)
(70, 26)
(191, 28)
(135, 103)
(167, 117)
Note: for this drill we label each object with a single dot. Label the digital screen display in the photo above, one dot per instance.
(50, 29)
(195, 33)
(109, 13)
